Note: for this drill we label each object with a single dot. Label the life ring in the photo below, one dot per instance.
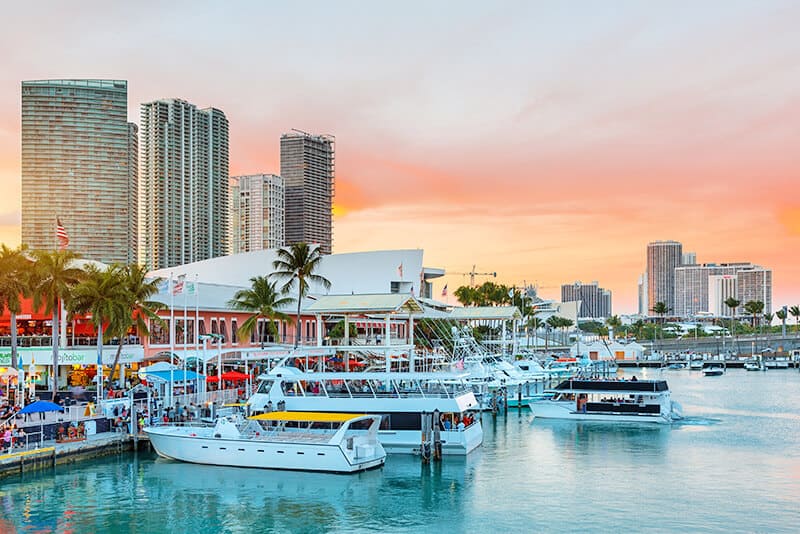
(71, 432)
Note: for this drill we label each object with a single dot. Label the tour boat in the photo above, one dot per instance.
(630, 401)
(776, 362)
(326, 442)
(401, 398)
(754, 365)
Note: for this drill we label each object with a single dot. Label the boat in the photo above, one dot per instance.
(714, 369)
(676, 365)
(754, 365)
(403, 399)
(625, 401)
(696, 365)
(776, 362)
(324, 442)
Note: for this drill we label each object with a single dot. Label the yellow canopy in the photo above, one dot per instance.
(311, 417)
(235, 405)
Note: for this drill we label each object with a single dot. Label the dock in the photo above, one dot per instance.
(51, 453)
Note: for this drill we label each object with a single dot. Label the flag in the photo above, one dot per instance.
(400, 270)
(163, 286)
(444, 290)
(61, 235)
(190, 288)
(177, 286)
(511, 293)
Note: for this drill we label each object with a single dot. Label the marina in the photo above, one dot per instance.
(744, 419)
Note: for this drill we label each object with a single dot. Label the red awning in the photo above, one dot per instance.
(235, 376)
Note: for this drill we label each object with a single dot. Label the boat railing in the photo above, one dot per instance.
(192, 424)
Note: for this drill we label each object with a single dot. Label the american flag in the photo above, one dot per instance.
(444, 290)
(177, 287)
(61, 235)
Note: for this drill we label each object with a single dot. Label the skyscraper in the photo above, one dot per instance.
(257, 214)
(595, 301)
(705, 287)
(662, 259)
(308, 171)
(642, 292)
(183, 194)
(79, 165)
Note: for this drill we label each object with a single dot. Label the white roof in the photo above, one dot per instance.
(475, 313)
(362, 304)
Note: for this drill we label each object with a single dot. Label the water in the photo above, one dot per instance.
(733, 465)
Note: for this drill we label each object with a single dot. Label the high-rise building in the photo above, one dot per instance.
(662, 259)
(754, 283)
(595, 301)
(79, 166)
(642, 287)
(692, 289)
(308, 171)
(184, 184)
(689, 258)
(257, 214)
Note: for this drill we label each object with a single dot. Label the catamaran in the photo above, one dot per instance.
(401, 398)
(328, 442)
(630, 401)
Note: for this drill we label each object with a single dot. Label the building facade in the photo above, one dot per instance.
(642, 293)
(257, 213)
(721, 287)
(79, 167)
(184, 184)
(308, 171)
(595, 302)
(754, 283)
(662, 259)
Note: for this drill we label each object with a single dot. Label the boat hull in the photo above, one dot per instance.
(549, 409)
(455, 443)
(260, 454)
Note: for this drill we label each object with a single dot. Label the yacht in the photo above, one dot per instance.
(627, 401)
(325, 442)
(402, 399)
(754, 364)
(776, 362)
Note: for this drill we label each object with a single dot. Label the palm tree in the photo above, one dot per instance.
(263, 301)
(298, 262)
(536, 323)
(661, 309)
(614, 322)
(781, 315)
(733, 303)
(138, 308)
(102, 294)
(795, 311)
(52, 281)
(768, 320)
(15, 268)
(754, 308)
(466, 295)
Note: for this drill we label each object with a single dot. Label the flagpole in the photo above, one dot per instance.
(171, 337)
(196, 337)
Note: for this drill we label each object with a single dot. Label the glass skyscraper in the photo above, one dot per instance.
(79, 166)
(307, 168)
(184, 186)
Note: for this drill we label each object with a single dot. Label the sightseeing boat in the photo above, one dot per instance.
(629, 401)
(326, 442)
(714, 369)
(402, 399)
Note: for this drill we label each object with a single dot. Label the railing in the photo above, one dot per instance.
(81, 341)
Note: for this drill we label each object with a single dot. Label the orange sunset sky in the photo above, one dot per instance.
(546, 141)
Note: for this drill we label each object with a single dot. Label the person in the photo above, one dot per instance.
(460, 425)
(447, 424)
(269, 406)
(7, 439)
(634, 379)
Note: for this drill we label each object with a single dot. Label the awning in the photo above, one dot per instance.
(311, 417)
(178, 375)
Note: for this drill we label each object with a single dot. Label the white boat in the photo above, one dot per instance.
(754, 365)
(626, 401)
(776, 362)
(328, 442)
(401, 398)
(696, 365)
(714, 369)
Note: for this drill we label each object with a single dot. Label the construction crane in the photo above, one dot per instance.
(472, 274)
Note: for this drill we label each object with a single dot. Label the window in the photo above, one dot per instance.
(234, 328)
(223, 329)
(214, 326)
(159, 333)
(202, 327)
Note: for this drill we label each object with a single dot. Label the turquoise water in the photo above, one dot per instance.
(733, 465)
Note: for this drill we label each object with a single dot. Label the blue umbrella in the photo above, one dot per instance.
(41, 406)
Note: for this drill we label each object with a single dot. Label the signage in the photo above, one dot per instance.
(44, 356)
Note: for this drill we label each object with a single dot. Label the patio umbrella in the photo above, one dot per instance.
(234, 376)
(41, 406)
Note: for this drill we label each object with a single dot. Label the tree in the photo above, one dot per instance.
(53, 278)
(337, 332)
(139, 309)
(101, 293)
(15, 269)
(614, 322)
(661, 309)
(262, 300)
(795, 311)
(754, 308)
(781, 315)
(768, 320)
(466, 295)
(299, 263)
(733, 303)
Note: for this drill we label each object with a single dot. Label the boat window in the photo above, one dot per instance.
(291, 389)
(314, 388)
(359, 388)
(335, 388)
(265, 386)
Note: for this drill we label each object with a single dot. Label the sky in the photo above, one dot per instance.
(548, 142)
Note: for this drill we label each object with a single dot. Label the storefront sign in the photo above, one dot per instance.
(44, 356)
